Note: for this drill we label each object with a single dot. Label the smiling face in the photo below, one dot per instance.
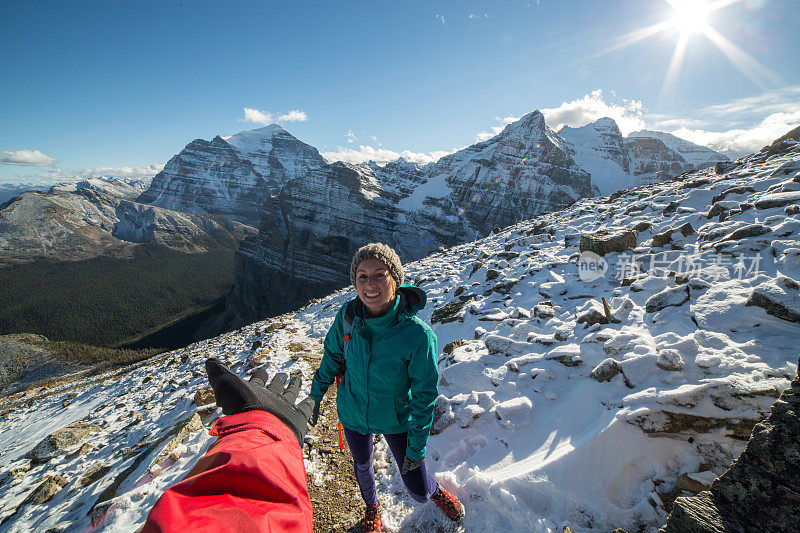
(375, 286)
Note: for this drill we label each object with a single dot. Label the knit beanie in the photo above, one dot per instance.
(381, 252)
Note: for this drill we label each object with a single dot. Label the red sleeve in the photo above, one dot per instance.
(251, 479)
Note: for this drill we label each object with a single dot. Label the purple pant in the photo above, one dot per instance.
(419, 484)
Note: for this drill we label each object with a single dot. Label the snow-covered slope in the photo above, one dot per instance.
(553, 410)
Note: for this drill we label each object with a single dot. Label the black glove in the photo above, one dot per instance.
(314, 415)
(410, 464)
(235, 396)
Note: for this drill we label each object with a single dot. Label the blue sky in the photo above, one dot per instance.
(117, 88)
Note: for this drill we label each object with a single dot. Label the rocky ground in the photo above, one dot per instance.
(337, 503)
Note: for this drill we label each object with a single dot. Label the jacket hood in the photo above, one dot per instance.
(412, 299)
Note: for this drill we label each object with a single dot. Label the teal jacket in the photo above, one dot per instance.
(390, 379)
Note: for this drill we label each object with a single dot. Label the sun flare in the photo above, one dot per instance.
(690, 16)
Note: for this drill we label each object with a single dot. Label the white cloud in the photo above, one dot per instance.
(58, 175)
(28, 158)
(740, 126)
(440, 18)
(351, 137)
(266, 118)
(591, 107)
(744, 140)
(473, 16)
(382, 155)
(495, 130)
(785, 99)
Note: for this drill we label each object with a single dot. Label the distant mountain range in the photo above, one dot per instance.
(312, 216)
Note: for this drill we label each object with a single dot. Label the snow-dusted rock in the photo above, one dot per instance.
(779, 297)
(671, 360)
(608, 240)
(779, 199)
(673, 296)
(605, 370)
(62, 441)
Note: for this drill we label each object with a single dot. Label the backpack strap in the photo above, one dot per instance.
(349, 318)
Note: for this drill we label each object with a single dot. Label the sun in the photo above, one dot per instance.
(691, 19)
(690, 16)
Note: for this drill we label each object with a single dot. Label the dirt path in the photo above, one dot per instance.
(337, 503)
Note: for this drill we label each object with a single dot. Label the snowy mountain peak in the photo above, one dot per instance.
(530, 127)
(249, 140)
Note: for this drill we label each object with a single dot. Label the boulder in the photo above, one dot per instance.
(761, 490)
(609, 240)
(607, 369)
(452, 345)
(721, 167)
(778, 297)
(51, 486)
(673, 296)
(778, 199)
(753, 230)
(733, 190)
(642, 226)
(665, 237)
(450, 312)
(96, 472)
(544, 310)
(670, 360)
(62, 440)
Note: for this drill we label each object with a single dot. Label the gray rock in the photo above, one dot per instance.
(62, 440)
(608, 240)
(592, 316)
(779, 199)
(452, 345)
(753, 230)
(543, 310)
(670, 360)
(673, 296)
(761, 490)
(449, 312)
(607, 369)
(665, 237)
(779, 297)
(733, 190)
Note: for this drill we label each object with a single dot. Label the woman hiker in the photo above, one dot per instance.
(387, 360)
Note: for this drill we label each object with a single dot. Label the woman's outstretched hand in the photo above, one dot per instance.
(410, 464)
(314, 415)
(235, 396)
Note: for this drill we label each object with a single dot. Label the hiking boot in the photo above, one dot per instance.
(448, 503)
(372, 520)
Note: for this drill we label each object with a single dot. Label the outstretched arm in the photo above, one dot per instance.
(252, 478)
